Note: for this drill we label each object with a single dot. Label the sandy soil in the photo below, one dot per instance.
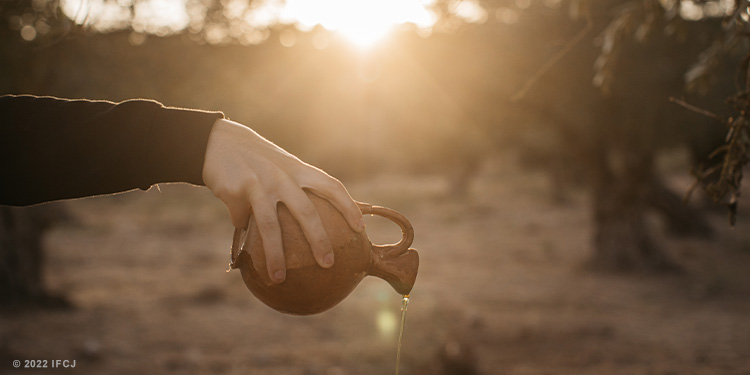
(501, 290)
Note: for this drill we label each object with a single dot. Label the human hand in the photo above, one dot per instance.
(251, 175)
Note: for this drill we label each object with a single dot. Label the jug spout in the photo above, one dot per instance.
(397, 267)
(397, 263)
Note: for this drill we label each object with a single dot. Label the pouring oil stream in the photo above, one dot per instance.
(404, 306)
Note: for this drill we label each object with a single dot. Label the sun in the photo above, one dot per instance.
(363, 22)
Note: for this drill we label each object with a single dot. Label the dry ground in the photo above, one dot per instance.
(501, 276)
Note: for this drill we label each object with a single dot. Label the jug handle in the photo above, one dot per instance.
(397, 264)
(406, 228)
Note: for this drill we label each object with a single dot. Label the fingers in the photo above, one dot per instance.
(335, 192)
(308, 217)
(261, 203)
(264, 212)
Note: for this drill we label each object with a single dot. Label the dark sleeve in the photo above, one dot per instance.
(54, 149)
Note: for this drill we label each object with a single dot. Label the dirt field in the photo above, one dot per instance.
(501, 290)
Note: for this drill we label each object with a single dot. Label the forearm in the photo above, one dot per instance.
(56, 149)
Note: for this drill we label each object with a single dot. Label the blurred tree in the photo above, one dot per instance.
(22, 256)
(634, 57)
(22, 229)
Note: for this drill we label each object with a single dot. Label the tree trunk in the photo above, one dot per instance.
(621, 237)
(682, 220)
(22, 256)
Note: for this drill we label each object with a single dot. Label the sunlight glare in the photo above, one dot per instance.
(102, 16)
(364, 22)
(470, 11)
(160, 17)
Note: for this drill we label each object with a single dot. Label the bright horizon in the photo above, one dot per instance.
(363, 22)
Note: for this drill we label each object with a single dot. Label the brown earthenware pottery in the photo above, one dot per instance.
(310, 288)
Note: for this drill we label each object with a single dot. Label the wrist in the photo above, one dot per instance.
(177, 143)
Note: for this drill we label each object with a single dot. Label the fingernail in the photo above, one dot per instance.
(328, 260)
(279, 276)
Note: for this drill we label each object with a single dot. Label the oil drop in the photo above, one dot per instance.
(404, 306)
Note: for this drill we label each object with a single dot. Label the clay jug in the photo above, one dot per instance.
(310, 288)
